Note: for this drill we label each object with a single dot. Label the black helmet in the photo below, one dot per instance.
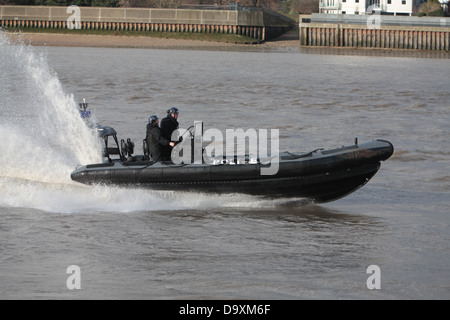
(152, 119)
(173, 110)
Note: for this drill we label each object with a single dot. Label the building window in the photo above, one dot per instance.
(344, 0)
(357, 1)
(388, 1)
(403, 1)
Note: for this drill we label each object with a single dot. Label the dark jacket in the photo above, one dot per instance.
(155, 141)
(168, 126)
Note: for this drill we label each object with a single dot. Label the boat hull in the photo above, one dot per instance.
(320, 176)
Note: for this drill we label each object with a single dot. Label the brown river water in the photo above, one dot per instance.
(132, 243)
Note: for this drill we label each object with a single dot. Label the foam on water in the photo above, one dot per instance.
(42, 135)
(44, 139)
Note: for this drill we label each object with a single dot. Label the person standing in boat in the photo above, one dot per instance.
(168, 125)
(156, 140)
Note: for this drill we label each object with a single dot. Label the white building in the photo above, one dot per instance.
(392, 7)
(444, 5)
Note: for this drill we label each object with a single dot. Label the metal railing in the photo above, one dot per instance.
(229, 7)
(384, 20)
(335, 6)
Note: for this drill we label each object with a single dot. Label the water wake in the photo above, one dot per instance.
(44, 139)
(42, 133)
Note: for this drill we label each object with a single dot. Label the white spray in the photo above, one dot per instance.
(43, 139)
(43, 136)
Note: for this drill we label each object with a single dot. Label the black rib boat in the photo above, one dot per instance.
(319, 175)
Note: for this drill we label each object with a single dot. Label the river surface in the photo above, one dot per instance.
(141, 244)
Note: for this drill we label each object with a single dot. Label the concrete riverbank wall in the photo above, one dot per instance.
(258, 24)
(375, 32)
